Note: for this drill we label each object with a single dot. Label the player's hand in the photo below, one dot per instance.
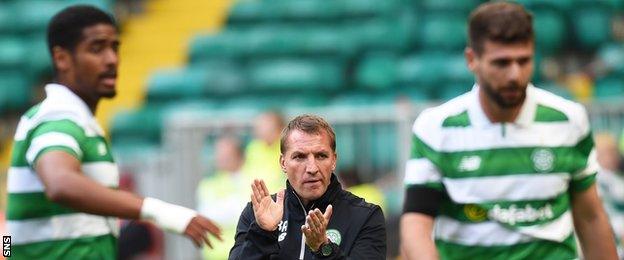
(315, 227)
(198, 229)
(268, 213)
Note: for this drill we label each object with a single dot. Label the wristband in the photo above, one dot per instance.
(166, 215)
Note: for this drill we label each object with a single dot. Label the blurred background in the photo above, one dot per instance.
(205, 87)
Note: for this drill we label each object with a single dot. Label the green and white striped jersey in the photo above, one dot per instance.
(508, 184)
(42, 229)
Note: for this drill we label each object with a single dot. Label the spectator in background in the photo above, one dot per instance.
(352, 182)
(223, 195)
(262, 153)
(611, 181)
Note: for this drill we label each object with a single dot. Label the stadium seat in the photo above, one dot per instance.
(34, 15)
(561, 5)
(443, 31)
(296, 74)
(550, 30)
(432, 69)
(449, 5)
(307, 10)
(393, 34)
(612, 55)
(142, 125)
(13, 53)
(16, 90)
(609, 88)
(6, 19)
(592, 26)
(175, 84)
(452, 90)
(377, 71)
(227, 43)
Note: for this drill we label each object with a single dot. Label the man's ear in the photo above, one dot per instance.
(471, 58)
(61, 58)
(282, 162)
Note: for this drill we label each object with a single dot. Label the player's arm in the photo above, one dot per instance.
(419, 211)
(65, 184)
(592, 225)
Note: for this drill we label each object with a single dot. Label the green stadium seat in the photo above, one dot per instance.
(611, 4)
(16, 90)
(38, 59)
(592, 26)
(555, 88)
(609, 88)
(443, 31)
(227, 43)
(143, 125)
(6, 19)
(216, 78)
(394, 33)
(562, 5)
(452, 90)
(377, 71)
(296, 74)
(13, 53)
(449, 5)
(612, 55)
(308, 10)
(430, 69)
(172, 84)
(550, 30)
(34, 15)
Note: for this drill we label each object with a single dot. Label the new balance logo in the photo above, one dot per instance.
(469, 163)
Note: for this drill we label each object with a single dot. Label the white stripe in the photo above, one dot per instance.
(552, 134)
(67, 226)
(556, 230)
(51, 139)
(592, 167)
(492, 233)
(421, 171)
(532, 186)
(105, 173)
(23, 179)
(482, 234)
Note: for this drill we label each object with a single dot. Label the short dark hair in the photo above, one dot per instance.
(309, 124)
(65, 28)
(502, 22)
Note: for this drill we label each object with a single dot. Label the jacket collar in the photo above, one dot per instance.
(321, 203)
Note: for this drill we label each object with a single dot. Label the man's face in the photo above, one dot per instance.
(503, 71)
(308, 162)
(92, 69)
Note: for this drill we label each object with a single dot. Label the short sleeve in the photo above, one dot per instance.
(585, 175)
(420, 168)
(60, 135)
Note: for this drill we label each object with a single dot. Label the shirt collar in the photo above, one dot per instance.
(479, 119)
(63, 95)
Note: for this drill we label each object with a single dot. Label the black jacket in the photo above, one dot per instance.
(360, 225)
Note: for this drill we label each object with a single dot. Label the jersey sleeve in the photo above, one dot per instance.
(60, 135)
(420, 168)
(424, 189)
(585, 175)
(586, 167)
